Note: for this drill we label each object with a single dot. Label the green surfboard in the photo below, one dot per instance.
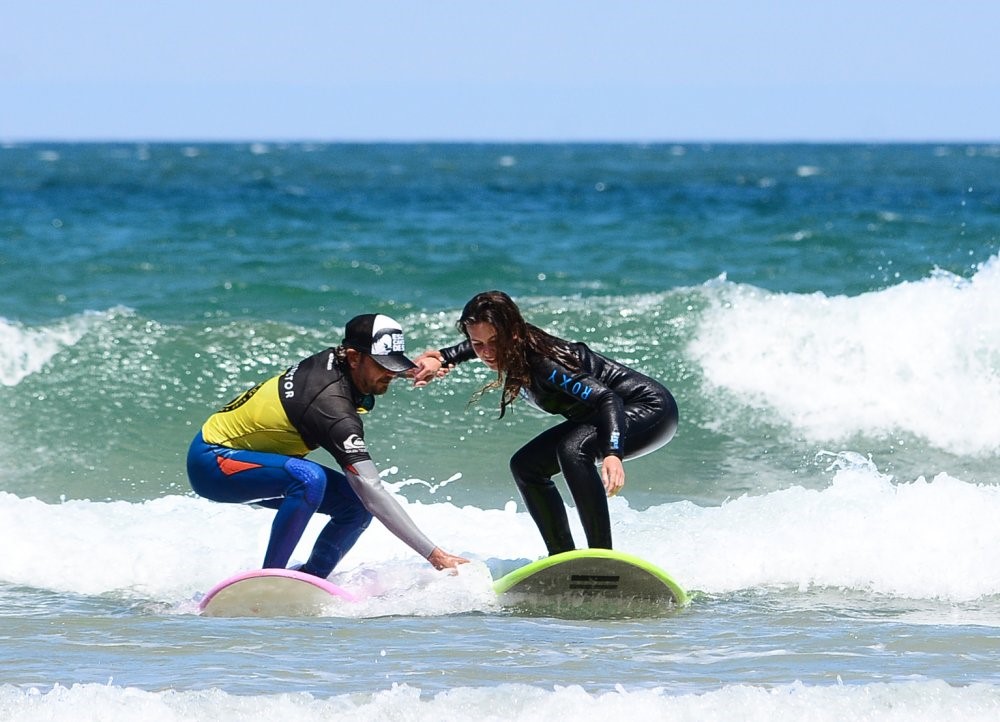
(591, 582)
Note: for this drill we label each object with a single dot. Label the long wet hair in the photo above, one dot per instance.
(515, 340)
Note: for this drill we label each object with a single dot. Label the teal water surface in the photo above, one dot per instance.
(825, 315)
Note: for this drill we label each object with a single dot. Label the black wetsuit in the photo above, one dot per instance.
(611, 410)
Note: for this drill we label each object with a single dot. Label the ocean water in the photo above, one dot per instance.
(826, 316)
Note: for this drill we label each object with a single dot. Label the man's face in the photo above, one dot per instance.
(366, 373)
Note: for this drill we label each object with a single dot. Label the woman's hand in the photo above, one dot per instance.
(430, 366)
(612, 474)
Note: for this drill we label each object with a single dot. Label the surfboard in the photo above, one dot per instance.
(272, 593)
(591, 582)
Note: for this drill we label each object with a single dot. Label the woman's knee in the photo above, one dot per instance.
(518, 465)
(527, 468)
(578, 449)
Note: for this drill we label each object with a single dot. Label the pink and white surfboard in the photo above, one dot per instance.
(273, 593)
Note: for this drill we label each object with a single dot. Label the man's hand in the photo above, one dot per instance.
(443, 560)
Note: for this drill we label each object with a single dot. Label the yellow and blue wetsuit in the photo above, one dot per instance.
(253, 451)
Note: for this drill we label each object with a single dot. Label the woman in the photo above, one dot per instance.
(613, 413)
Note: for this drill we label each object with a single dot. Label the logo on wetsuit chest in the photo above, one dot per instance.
(578, 389)
(288, 382)
(241, 399)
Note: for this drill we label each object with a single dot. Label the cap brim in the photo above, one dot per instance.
(397, 363)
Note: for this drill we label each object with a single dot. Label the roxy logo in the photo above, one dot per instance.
(578, 389)
(355, 443)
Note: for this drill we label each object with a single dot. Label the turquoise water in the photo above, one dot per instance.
(825, 316)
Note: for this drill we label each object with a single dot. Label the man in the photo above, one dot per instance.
(253, 449)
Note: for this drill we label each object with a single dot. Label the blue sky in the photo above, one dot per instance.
(513, 70)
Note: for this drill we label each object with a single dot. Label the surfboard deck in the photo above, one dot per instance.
(272, 593)
(591, 582)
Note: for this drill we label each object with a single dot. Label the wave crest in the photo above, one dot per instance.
(920, 358)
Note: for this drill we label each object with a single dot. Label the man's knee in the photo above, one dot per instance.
(311, 477)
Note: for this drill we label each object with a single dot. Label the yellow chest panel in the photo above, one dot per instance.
(255, 420)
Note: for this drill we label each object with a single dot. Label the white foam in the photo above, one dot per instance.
(915, 539)
(921, 358)
(894, 702)
(135, 550)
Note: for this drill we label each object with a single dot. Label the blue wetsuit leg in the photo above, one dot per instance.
(295, 487)
(348, 519)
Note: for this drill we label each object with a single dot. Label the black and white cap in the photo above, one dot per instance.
(382, 338)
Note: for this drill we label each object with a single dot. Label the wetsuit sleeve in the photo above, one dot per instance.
(458, 353)
(332, 422)
(364, 479)
(580, 396)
